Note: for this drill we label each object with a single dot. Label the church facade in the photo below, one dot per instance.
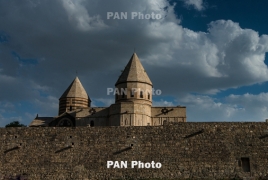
(132, 107)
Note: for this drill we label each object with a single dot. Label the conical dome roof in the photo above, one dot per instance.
(134, 72)
(75, 89)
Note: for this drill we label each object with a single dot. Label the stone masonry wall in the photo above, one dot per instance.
(185, 150)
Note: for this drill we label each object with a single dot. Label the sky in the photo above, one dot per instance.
(207, 55)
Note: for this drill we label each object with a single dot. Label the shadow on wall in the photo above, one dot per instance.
(10, 177)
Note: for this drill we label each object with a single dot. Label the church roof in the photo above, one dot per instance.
(75, 89)
(41, 121)
(134, 71)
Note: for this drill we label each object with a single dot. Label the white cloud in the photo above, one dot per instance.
(226, 56)
(162, 103)
(197, 4)
(8, 105)
(78, 15)
(47, 106)
(247, 107)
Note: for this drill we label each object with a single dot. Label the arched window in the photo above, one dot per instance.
(92, 123)
(141, 94)
(123, 93)
(71, 108)
(65, 122)
(148, 95)
(132, 93)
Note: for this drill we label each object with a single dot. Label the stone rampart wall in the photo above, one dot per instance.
(185, 150)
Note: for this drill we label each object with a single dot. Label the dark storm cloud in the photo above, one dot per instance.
(54, 39)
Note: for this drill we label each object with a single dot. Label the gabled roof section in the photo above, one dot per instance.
(41, 121)
(134, 72)
(75, 89)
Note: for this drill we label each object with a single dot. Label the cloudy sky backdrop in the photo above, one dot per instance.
(207, 55)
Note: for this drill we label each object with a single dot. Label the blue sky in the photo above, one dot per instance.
(249, 14)
(207, 55)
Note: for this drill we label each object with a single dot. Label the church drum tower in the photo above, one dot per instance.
(74, 97)
(134, 102)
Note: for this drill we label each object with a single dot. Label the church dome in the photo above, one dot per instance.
(134, 72)
(74, 97)
(75, 89)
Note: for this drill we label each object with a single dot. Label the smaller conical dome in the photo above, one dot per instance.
(75, 89)
(74, 97)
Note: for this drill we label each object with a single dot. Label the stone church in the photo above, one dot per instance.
(132, 107)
